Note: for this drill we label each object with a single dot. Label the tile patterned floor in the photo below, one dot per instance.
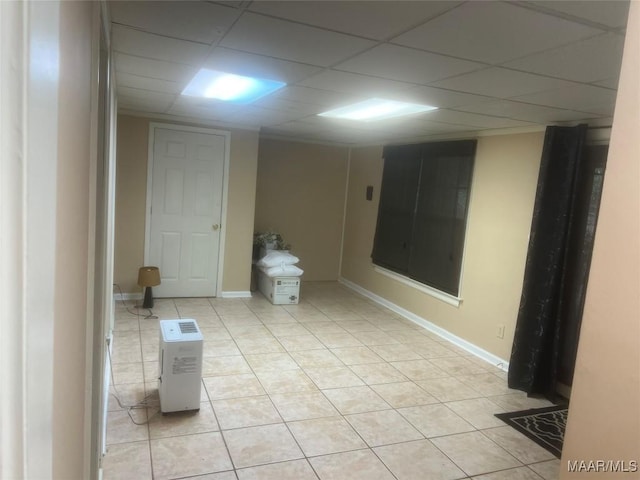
(336, 387)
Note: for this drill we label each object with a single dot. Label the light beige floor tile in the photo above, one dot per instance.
(403, 394)
(548, 470)
(272, 361)
(241, 330)
(326, 326)
(376, 373)
(383, 428)
(338, 340)
(183, 423)
(209, 322)
(325, 435)
(292, 470)
(519, 401)
(233, 386)
(260, 445)
(150, 352)
(126, 353)
(127, 460)
(218, 366)
(245, 412)
(215, 333)
(127, 373)
(183, 456)
(429, 349)
(418, 460)
(122, 429)
(280, 330)
(457, 365)
(355, 400)
(250, 345)
(395, 353)
(300, 342)
(219, 348)
(435, 420)
(151, 371)
(281, 317)
(487, 384)
(230, 475)
(357, 465)
(377, 337)
(316, 358)
(333, 377)
(448, 389)
(475, 454)
(479, 412)
(419, 369)
(126, 337)
(522, 473)
(288, 381)
(356, 355)
(303, 406)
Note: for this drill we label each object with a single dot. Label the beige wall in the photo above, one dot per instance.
(301, 194)
(501, 206)
(131, 185)
(73, 285)
(604, 415)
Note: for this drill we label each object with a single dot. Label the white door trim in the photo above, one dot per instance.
(225, 184)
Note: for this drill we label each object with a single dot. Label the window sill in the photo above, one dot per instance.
(433, 292)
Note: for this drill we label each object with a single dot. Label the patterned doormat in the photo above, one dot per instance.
(545, 426)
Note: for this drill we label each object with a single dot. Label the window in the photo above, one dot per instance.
(423, 211)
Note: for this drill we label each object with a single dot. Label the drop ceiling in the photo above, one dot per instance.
(487, 65)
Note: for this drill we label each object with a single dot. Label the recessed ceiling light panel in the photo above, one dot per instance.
(376, 109)
(230, 87)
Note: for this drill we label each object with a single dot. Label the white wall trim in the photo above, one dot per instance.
(238, 294)
(432, 327)
(225, 190)
(434, 292)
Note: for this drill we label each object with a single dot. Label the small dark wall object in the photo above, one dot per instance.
(369, 192)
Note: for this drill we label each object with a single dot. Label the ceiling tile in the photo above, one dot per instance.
(312, 95)
(291, 41)
(588, 60)
(251, 115)
(250, 64)
(493, 32)
(362, 85)
(195, 21)
(147, 67)
(407, 64)
(298, 108)
(474, 120)
(437, 97)
(524, 111)
(141, 44)
(612, 13)
(501, 83)
(584, 98)
(371, 19)
(146, 83)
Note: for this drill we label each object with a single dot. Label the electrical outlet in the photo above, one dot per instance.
(500, 331)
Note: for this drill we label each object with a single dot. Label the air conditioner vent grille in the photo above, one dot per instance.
(188, 327)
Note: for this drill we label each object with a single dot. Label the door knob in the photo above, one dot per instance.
(215, 226)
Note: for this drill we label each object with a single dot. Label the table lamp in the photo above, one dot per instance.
(148, 277)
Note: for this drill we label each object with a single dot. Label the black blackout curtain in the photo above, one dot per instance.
(535, 354)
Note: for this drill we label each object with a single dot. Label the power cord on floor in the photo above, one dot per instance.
(137, 314)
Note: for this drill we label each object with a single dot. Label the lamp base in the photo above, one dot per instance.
(148, 298)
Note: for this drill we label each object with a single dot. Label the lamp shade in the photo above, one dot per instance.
(149, 276)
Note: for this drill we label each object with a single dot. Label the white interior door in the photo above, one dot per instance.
(186, 211)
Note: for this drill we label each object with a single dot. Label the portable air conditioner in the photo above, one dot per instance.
(180, 358)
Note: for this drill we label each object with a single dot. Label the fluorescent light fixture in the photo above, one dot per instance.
(229, 87)
(376, 109)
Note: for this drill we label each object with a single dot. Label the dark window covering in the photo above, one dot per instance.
(423, 210)
(534, 359)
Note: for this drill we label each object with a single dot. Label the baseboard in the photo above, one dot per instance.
(432, 327)
(238, 294)
(118, 297)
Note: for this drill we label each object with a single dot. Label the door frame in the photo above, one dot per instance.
(225, 188)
